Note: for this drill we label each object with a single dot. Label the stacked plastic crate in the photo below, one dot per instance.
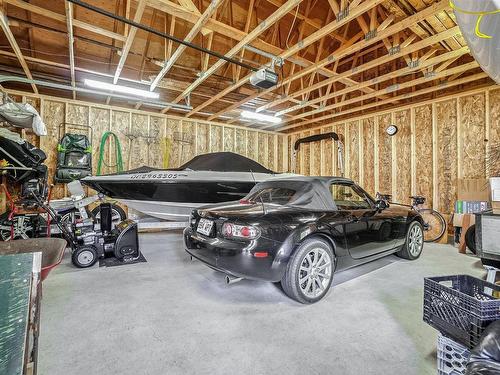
(460, 307)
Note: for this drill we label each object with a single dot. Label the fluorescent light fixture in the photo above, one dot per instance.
(118, 88)
(260, 117)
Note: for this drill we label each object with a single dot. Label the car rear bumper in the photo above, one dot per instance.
(233, 257)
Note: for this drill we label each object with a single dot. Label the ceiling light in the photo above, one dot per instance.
(260, 117)
(119, 88)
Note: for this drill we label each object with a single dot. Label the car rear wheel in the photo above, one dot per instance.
(414, 242)
(309, 272)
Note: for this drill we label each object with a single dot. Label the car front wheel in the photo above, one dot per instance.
(309, 272)
(414, 242)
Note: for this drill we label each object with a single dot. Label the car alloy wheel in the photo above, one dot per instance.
(315, 272)
(415, 240)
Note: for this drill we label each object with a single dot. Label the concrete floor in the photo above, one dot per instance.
(173, 316)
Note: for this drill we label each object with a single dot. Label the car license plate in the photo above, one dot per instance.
(205, 226)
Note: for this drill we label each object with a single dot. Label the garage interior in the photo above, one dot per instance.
(408, 88)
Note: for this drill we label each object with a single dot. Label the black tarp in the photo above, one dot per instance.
(215, 161)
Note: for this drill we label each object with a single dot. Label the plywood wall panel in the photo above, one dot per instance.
(384, 155)
(99, 120)
(315, 156)
(241, 142)
(271, 152)
(140, 145)
(281, 153)
(229, 139)
(327, 153)
(188, 147)
(174, 127)
(493, 158)
(368, 155)
(353, 140)
(340, 130)
(262, 139)
(252, 144)
(216, 133)
(54, 113)
(305, 156)
(423, 152)
(120, 125)
(403, 156)
(202, 139)
(472, 134)
(446, 115)
(157, 144)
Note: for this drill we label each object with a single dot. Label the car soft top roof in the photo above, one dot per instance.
(312, 193)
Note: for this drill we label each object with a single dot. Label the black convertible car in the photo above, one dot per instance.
(299, 231)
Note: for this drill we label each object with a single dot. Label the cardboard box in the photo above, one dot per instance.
(475, 189)
(458, 219)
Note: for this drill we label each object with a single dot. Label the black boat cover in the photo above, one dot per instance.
(215, 161)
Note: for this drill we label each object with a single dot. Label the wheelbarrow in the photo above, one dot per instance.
(52, 250)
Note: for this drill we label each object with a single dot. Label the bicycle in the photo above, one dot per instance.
(434, 222)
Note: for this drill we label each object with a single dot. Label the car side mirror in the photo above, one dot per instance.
(381, 205)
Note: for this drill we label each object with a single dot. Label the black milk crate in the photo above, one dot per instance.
(452, 357)
(460, 306)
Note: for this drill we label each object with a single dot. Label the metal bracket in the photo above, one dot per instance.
(187, 99)
(392, 88)
(371, 34)
(430, 74)
(343, 13)
(394, 49)
(414, 64)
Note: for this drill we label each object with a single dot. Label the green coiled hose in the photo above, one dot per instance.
(118, 153)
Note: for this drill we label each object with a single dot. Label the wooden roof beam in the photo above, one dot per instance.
(388, 76)
(189, 5)
(408, 84)
(69, 24)
(221, 28)
(130, 39)
(212, 8)
(62, 18)
(428, 90)
(4, 23)
(263, 26)
(332, 26)
(343, 52)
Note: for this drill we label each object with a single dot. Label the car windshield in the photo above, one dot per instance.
(276, 195)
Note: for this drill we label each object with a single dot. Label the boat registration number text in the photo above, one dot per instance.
(205, 226)
(155, 176)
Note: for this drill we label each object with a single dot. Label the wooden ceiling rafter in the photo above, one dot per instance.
(263, 26)
(332, 26)
(15, 47)
(346, 51)
(69, 25)
(141, 6)
(209, 12)
(400, 86)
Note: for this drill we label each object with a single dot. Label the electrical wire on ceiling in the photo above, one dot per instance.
(160, 34)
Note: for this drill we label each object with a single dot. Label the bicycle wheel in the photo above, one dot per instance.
(434, 225)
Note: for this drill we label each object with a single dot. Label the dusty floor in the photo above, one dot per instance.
(174, 316)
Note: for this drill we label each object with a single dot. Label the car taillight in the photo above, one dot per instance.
(230, 230)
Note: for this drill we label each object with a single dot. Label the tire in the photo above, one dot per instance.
(470, 238)
(84, 256)
(414, 243)
(434, 224)
(302, 266)
(117, 214)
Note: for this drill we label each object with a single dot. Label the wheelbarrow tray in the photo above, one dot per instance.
(52, 250)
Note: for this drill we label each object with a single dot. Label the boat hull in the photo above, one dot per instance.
(172, 195)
